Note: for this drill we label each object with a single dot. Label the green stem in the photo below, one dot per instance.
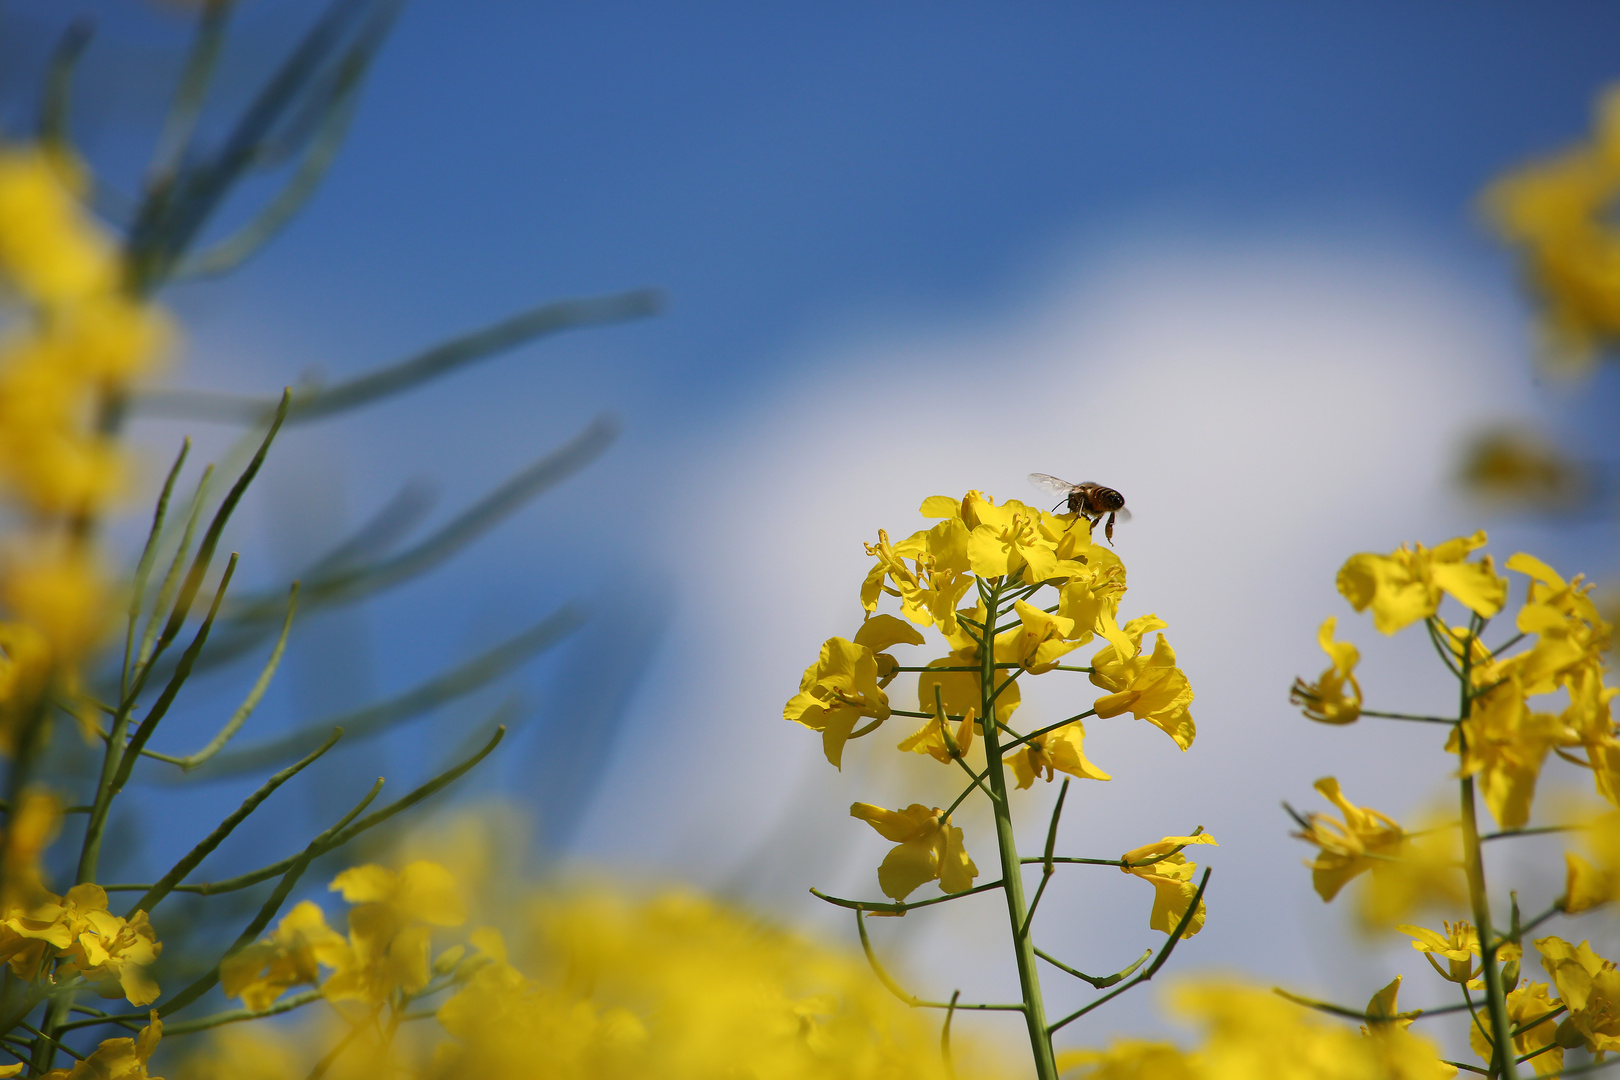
(1474, 869)
(1029, 981)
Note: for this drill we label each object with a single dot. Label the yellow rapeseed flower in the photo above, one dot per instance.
(1131, 1059)
(837, 690)
(1590, 986)
(390, 929)
(292, 956)
(1039, 640)
(1503, 743)
(937, 739)
(1252, 1033)
(1059, 750)
(48, 247)
(32, 827)
(1349, 847)
(1325, 700)
(117, 1059)
(107, 949)
(1150, 688)
(1556, 212)
(1525, 1004)
(927, 848)
(1406, 585)
(1458, 946)
(1171, 875)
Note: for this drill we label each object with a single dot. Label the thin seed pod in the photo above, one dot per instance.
(431, 363)
(196, 855)
(143, 569)
(210, 540)
(370, 821)
(182, 672)
(120, 758)
(171, 579)
(245, 242)
(376, 718)
(255, 695)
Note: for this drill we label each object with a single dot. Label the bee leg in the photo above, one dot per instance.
(1108, 530)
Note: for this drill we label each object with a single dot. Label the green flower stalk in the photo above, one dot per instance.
(1004, 556)
(1503, 733)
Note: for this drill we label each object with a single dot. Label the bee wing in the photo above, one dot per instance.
(1122, 514)
(1051, 484)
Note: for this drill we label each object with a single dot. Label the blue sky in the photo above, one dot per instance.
(1224, 257)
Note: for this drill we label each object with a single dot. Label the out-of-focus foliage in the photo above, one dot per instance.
(587, 982)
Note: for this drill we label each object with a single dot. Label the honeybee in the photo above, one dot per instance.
(1091, 501)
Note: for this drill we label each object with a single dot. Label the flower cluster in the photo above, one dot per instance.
(73, 937)
(114, 1059)
(596, 985)
(1558, 213)
(976, 577)
(974, 543)
(1559, 648)
(384, 960)
(1252, 1032)
(75, 340)
(1538, 693)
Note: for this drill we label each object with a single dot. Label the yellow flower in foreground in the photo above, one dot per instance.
(1585, 886)
(1524, 1005)
(117, 1059)
(1425, 874)
(106, 949)
(390, 931)
(1406, 585)
(1570, 634)
(1590, 986)
(247, 1052)
(935, 738)
(1325, 700)
(1349, 847)
(1038, 641)
(48, 245)
(932, 584)
(1556, 213)
(1458, 946)
(32, 828)
(1254, 1033)
(880, 633)
(1131, 1059)
(679, 988)
(1171, 876)
(264, 970)
(61, 596)
(961, 691)
(1090, 600)
(1150, 688)
(114, 953)
(1010, 539)
(836, 691)
(1059, 750)
(1590, 884)
(927, 849)
(1503, 743)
